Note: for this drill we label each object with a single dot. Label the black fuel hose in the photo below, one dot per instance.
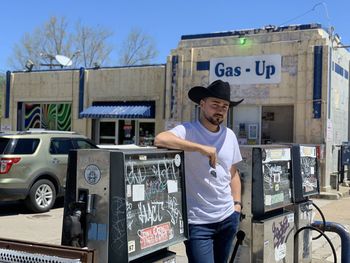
(323, 220)
(240, 237)
(321, 234)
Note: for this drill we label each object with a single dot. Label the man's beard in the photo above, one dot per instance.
(217, 119)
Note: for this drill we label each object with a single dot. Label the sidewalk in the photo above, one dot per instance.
(335, 205)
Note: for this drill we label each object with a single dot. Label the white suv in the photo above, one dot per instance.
(33, 165)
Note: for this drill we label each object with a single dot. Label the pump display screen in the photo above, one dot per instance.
(276, 171)
(154, 201)
(308, 170)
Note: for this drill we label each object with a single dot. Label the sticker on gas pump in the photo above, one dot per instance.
(280, 252)
(290, 218)
(172, 186)
(143, 157)
(277, 176)
(131, 246)
(155, 235)
(277, 187)
(268, 199)
(138, 192)
(181, 226)
(312, 170)
(128, 190)
(92, 174)
(177, 160)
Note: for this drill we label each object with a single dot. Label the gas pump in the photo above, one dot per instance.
(127, 205)
(305, 185)
(266, 174)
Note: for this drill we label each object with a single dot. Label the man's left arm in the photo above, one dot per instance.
(236, 188)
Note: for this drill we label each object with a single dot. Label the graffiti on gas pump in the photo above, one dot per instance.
(153, 205)
(173, 210)
(150, 212)
(118, 222)
(153, 186)
(307, 166)
(129, 216)
(279, 232)
(135, 175)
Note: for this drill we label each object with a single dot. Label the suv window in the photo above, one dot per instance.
(83, 144)
(61, 145)
(18, 146)
(25, 146)
(3, 143)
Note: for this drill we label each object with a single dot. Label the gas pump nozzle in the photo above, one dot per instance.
(73, 225)
(90, 208)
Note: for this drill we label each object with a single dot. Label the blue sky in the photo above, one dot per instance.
(167, 21)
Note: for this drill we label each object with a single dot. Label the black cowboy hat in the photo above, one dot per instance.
(217, 89)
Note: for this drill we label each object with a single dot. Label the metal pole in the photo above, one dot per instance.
(343, 233)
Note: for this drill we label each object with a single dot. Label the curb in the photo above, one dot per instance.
(344, 191)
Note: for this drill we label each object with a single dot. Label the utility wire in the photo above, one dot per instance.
(309, 11)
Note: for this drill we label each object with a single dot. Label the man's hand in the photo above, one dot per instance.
(238, 208)
(210, 152)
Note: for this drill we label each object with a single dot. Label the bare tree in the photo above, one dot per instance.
(138, 48)
(43, 44)
(93, 44)
(54, 38)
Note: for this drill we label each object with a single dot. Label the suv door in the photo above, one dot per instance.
(81, 143)
(59, 149)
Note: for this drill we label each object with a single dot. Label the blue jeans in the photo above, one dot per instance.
(209, 243)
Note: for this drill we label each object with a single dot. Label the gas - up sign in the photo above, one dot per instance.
(264, 69)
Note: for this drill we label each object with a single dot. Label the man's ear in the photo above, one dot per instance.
(201, 103)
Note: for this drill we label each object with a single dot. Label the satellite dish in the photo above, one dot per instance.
(63, 60)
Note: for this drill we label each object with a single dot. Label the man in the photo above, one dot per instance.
(213, 186)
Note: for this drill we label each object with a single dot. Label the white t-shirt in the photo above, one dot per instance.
(209, 198)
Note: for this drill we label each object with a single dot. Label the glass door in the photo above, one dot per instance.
(107, 132)
(126, 132)
(146, 133)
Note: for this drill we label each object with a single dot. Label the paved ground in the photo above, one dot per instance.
(16, 223)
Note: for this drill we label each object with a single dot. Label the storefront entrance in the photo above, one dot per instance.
(131, 122)
(277, 124)
(140, 132)
(263, 124)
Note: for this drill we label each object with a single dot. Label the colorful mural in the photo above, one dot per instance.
(53, 116)
(64, 120)
(31, 116)
(49, 116)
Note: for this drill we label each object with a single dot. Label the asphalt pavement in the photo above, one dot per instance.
(18, 223)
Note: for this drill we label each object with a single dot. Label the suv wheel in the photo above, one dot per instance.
(41, 196)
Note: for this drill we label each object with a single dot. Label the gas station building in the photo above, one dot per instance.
(294, 81)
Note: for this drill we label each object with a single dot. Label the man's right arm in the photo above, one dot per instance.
(169, 140)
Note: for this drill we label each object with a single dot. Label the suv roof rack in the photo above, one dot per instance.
(46, 131)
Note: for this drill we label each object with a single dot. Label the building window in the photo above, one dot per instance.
(51, 116)
(146, 133)
(108, 133)
(127, 131)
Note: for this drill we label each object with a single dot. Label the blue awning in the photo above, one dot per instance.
(118, 112)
